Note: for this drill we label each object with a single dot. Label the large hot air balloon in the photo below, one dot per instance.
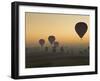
(81, 28)
(41, 42)
(51, 39)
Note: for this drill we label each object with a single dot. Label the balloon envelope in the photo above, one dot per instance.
(41, 42)
(56, 44)
(81, 28)
(51, 39)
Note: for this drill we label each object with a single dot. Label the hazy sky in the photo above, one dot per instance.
(62, 26)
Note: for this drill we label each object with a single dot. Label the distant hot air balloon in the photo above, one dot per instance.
(56, 44)
(81, 28)
(41, 42)
(51, 39)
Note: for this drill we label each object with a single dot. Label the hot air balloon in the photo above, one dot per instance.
(51, 39)
(41, 42)
(56, 44)
(81, 28)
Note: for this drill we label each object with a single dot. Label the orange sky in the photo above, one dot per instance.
(41, 25)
